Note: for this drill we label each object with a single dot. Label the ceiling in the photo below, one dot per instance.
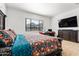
(46, 9)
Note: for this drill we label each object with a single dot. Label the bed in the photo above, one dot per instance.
(36, 45)
(28, 45)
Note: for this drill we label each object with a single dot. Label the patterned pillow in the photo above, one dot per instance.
(11, 33)
(1, 35)
(7, 37)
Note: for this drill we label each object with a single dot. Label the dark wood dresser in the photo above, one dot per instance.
(70, 35)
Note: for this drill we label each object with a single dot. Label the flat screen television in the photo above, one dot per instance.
(69, 22)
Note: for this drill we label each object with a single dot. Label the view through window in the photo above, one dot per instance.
(33, 25)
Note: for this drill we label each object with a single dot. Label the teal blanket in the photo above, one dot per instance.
(21, 46)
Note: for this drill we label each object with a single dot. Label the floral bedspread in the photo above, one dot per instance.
(42, 44)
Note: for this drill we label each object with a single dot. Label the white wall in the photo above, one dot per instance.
(16, 20)
(3, 8)
(57, 18)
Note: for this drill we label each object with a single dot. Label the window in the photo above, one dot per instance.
(33, 25)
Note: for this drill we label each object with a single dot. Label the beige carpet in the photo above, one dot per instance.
(70, 48)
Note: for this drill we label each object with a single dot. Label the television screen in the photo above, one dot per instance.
(68, 22)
